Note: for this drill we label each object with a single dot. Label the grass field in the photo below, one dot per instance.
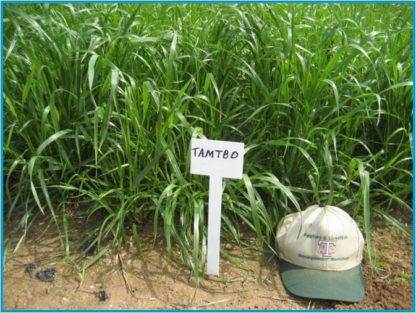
(101, 101)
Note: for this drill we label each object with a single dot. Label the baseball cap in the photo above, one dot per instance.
(320, 251)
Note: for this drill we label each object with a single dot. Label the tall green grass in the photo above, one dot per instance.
(101, 101)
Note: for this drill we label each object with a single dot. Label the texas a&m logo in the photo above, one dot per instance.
(327, 248)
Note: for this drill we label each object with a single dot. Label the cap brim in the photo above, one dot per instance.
(345, 286)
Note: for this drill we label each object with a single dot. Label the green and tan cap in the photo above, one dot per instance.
(320, 251)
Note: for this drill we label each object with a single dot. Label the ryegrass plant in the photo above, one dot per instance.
(101, 101)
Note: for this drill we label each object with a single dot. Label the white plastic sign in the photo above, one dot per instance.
(216, 159)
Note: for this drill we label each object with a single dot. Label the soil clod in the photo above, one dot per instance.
(102, 295)
(30, 268)
(47, 275)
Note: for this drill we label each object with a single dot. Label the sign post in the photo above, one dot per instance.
(218, 160)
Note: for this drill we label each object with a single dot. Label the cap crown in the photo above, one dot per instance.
(322, 238)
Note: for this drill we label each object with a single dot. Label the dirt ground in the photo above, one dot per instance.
(155, 281)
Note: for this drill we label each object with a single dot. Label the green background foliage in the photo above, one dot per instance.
(101, 101)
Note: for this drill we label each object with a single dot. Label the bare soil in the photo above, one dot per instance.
(152, 280)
